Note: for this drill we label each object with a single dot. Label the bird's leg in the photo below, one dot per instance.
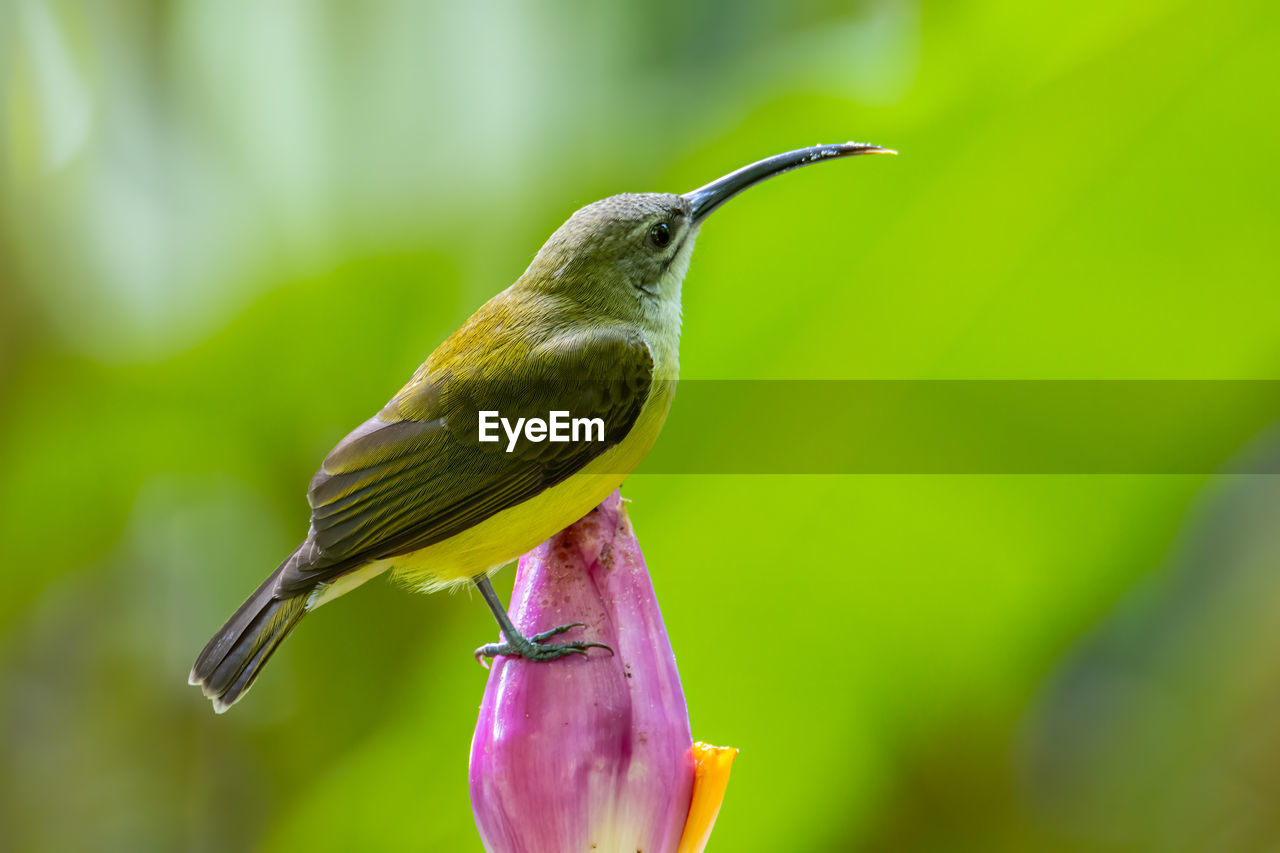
(530, 648)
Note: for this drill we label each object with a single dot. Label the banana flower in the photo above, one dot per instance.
(592, 752)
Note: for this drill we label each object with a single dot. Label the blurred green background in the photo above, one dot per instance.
(230, 230)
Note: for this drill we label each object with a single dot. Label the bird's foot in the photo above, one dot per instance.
(534, 649)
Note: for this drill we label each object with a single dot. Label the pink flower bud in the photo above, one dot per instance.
(588, 753)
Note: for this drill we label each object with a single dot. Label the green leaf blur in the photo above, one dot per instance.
(230, 231)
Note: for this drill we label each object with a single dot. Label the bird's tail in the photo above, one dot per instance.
(237, 653)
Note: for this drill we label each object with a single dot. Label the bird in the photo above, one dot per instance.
(432, 491)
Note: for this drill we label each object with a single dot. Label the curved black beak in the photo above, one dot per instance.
(708, 198)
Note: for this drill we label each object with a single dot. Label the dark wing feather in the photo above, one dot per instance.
(417, 473)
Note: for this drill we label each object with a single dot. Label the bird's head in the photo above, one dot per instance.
(627, 255)
(621, 252)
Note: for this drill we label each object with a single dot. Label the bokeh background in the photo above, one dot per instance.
(229, 231)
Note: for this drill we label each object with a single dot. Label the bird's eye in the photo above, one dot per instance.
(660, 234)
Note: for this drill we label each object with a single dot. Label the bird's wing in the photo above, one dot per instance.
(417, 473)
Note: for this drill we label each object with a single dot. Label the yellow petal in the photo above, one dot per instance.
(710, 778)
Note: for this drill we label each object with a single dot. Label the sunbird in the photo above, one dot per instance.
(441, 489)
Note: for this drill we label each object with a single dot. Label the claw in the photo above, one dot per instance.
(532, 648)
(559, 629)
